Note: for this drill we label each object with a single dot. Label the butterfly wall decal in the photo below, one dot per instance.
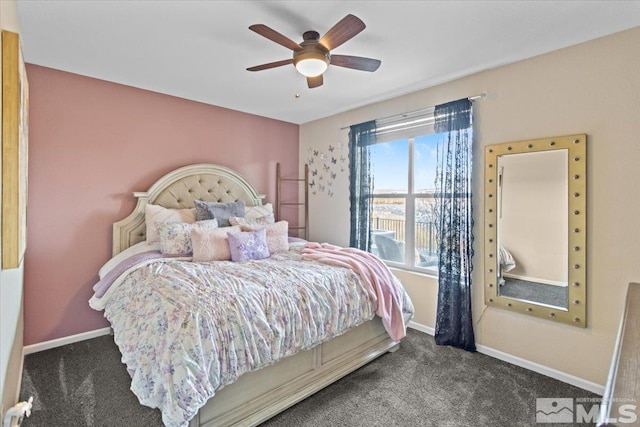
(319, 184)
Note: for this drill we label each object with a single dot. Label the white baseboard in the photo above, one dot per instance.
(422, 328)
(523, 363)
(541, 369)
(46, 345)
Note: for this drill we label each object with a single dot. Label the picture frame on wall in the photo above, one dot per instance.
(15, 147)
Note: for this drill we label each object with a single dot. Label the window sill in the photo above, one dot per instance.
(431, 272)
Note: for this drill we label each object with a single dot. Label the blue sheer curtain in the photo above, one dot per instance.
(454, 216)
(361, 136)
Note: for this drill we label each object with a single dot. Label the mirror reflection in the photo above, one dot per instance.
(533, 227)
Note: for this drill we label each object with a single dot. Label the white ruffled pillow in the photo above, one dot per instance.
(253, 212)
(212, 244)
(157, 214)
(262, 220)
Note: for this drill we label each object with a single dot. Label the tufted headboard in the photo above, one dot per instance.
(178, 190)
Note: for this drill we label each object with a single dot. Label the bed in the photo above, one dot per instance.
(260, 394)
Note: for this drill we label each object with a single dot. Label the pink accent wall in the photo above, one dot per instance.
(91, 144)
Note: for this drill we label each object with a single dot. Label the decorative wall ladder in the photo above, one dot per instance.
(301, 231)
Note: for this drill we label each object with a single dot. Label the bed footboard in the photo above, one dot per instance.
(258, 396)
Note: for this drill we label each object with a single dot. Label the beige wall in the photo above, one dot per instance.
(590, 88)
(11, 285)
(532, 214)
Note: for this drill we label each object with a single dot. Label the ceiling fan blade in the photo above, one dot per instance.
(275, 36)
(344, 30)
(271, 65)
(314, 81)
(355, 62)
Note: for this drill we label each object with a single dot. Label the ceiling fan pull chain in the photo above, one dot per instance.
(297, 86)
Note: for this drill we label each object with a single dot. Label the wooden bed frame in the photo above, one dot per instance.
(259, 395)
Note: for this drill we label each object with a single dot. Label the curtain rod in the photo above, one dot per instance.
(470, 98)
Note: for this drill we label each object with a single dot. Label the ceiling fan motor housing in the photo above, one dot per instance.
(311, 49)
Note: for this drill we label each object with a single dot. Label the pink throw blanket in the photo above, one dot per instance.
(381, 284)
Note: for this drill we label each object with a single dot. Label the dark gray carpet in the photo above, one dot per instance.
(422, 384)
(556, 296)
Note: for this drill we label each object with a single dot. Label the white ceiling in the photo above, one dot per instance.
(199, 50)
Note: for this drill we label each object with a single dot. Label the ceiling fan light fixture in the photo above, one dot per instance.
(311, 62)
(311, 67)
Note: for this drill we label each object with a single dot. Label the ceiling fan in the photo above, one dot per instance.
(312, 57)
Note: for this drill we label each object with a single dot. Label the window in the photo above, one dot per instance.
(395, 209)
(403, 228)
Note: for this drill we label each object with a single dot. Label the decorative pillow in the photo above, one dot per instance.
(212, 244)
(156, 213)
(247, 245)
(262, 220)
(219, 211)
(277, 235)
(175, 237)
(258, 211)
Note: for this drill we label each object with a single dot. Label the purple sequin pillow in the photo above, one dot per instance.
(248, 245)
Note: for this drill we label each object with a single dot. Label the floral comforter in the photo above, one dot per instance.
(187, 329)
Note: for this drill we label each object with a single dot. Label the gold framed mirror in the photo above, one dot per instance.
(535, 228)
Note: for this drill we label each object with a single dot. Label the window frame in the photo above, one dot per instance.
(410, 213)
